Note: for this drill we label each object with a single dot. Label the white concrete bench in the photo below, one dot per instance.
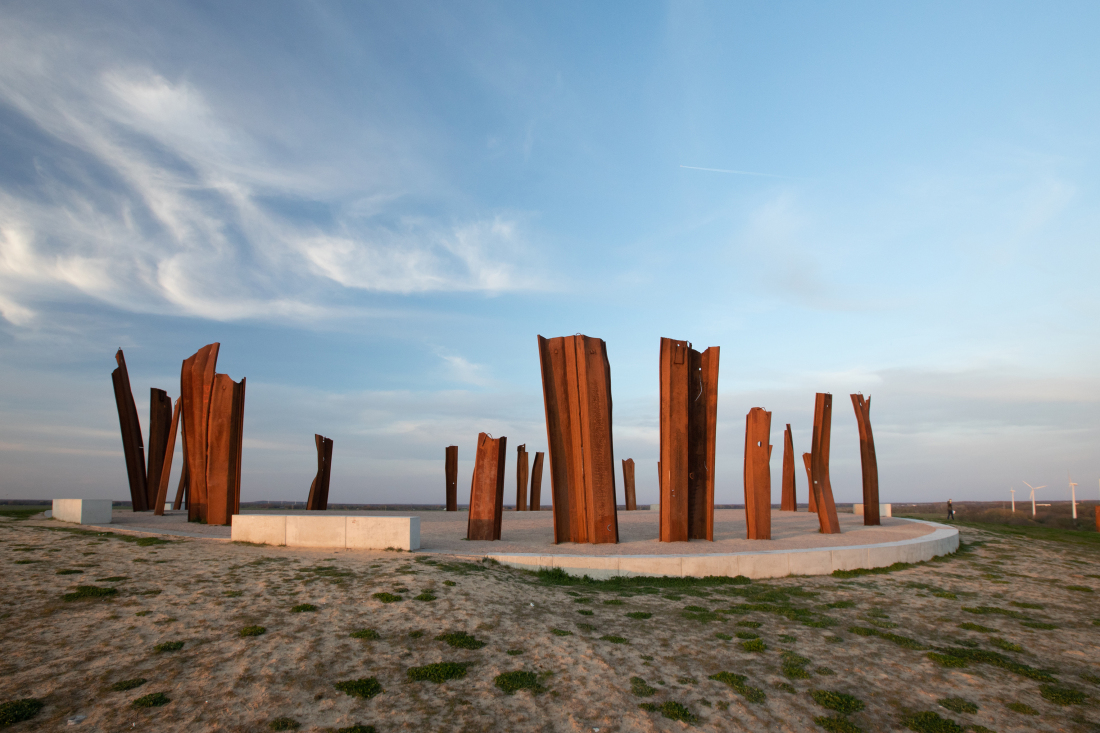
(884, 510)
(328, 531)
(83, 511)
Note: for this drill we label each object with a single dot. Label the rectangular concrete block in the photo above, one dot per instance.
(884, 510)
(851, 558)
(702, 566)
(765, 565)
(598, 568)
(817, 562)
(258, 528)
(316, 531)
(379, 533)
(653, 565)
(83, 511)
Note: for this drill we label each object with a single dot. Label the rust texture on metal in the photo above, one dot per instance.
(196, 388)
(522, 467)
(1098, 518)
(536, 482)
(318, 490)
(819, 464)
(628, 484)
(183, 491)
(576, 385)
(165, 471)
(160, 413)
(452, 477)
(132, 446)
(689, 412)
(487, 489)
(867, 460)
(789, 501)
(758, 474)
(225, 435)
(807, 459)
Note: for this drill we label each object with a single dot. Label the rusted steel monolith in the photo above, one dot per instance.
(318, 490)
(487, 489)
(225, 435)
(196, 389)
(789, 501)
(451, 463)
(132, 446)
(867, 459)
(628, 484)
(521, 478)
(536, 482)
(160, 413)
(1098, 518)
(819, 464)
(576, 388)
(758, 474)
(689, 412)
(165, 472)
(807, 459)
(183, 491)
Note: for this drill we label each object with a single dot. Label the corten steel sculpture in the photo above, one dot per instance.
(166, 464)
(576, 389)
(789, 501)
(318, 490)
(225, 435)
(807, 459)
(758, 474)
(867, 459)
(132, 446)
(689, 413)
(183, 491)
(536, 482)
(819, 464)
(1098, 518)
(452, 478)
(487, 489)
(160, 413)
(628, 484)
(521, 478)
(196, 386)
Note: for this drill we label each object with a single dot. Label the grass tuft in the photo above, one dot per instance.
(387, 597)
(639, 615)
(639, 687)
(614, 639)
(1022, 707)
(425, 596)
(16, 711)
(368, 634)
(357, 729)
(510, 682)
(959, 657)
(738, 683)
(89, 592)
(841, 702)
(671, 710)
(460, 640)
(929, 722)
(284, 723)
(127, 684)
(152, 700)
(252, 631)
(303, 608)
(561, 632)
(977, 627)
(1062, 695)
(837, 724)
(756, 645)
(958, 705)
(169, 646)
(366, 687)
(439, 672)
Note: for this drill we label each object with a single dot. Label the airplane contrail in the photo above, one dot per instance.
(740, 173)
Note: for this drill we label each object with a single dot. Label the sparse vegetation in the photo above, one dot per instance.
(169, 646)
(425, 596)
(366, 687)
(958, 705)
(368, 634)
(460, 640)
(738, 683)
(794, 666)
(284, 723)
(89, 592)
(124, 685)
(1062, 695)
(639, 687)
(511, 682)
(561, 632)
(614, 639)
(838, 724)
(16, 711)
(756, 645)
(671, 710)
(1022, 708)
(152, 700)
(252, 631)
(639, 615)
(929, 722)
(840, 702)
(439, 672)
(386, 597)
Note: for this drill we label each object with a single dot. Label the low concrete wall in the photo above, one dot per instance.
(884, 510)
(82, 511)
(765, 564)
(328, 530)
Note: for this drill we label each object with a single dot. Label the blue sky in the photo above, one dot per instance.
(376, 207)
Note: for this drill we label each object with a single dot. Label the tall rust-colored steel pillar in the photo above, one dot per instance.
(487, 489)
(807, 459)
(225, 439)
(160, 413)
(819, 464)
(789, 502)
(183, 491)
(165, 472)
(868, 460)
(576, 388)
(689, 413)
(318, 490)
(196, 389)
(758, 474)
(132, 446)
(1098, 518)
(536, 482)
(451, 467)
(521, 477)
(628, 484)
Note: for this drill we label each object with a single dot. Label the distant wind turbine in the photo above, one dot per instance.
(1033, 490)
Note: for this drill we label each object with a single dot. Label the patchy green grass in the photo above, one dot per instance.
(1079, 588)
(460, 640)
(1039, 625)
(1022, 708)
(840, 702)
(794, 666)
(639, 615)
(958, 705)
(858, 572)
(387, 597)
(739, 683)
(929, 722)
(449, 583)
(21, 513)
(903, 641)
(112, 579)
(365, 687)
(1062, 695)
(584, 612)
(124, 685)
(613, 602)
(756, 646)
(1008, 646)
(749, 624)
(169, 646)
(69, 571)
(152, 700)
(233, 594)
(723, 637)
(416, 634)
(558, 576)
(561, 632)
(1021, 604)
(977, 627)
(303, 608)
(640, 688)
(586, 627)
(671, 710)
(614, 639)
(368, 634)
(841, 604)
(284, 723)
(439, 672)
(747, 635)
(252, 631)
(514, 652)
(982, 610)
(956, 657)
(88, 593)
(16, 711)
(837, 724)
(425, 596)
(511, 682)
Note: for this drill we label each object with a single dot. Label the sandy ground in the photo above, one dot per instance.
(202, 593)
(534, 532)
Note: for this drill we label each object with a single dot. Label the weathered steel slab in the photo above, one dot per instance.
(807, 459)
(868, 460)
(165, 472)
(451, 467)
(487, 489)
(196, 387)
(536, 482)
(819, 464)
(628, 484)
(758, 476)
(223, 445)
(789, 501)
(160, 413)
(132, 446)
(522, 467)
(318, 489)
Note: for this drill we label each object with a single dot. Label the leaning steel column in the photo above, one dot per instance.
(451, 468)
(789, 502)
(132, 447)
(521, 477)
(807, 459)
(536, 482)
(318, 490)
(867, 459)
(224, 441)
(819, 463)
(487, 489)
(196, 389)
(675, 366)
(628, 484)
(166, 464)
(160, 413)
(758, 474)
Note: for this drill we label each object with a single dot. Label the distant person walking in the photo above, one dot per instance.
(950, 510)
